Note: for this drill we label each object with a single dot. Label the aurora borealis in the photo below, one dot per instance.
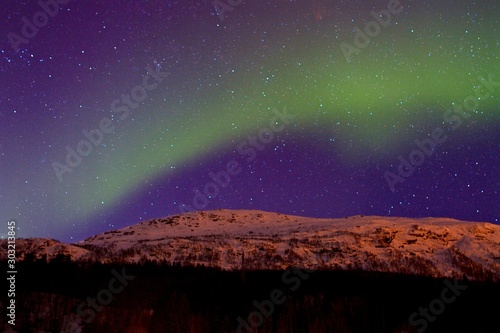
(226, 81)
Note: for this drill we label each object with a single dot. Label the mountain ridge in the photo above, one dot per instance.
(253, 240)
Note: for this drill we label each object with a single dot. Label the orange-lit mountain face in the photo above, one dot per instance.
(251, 240)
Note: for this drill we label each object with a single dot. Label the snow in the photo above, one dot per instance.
(439, 247)
(42, 246)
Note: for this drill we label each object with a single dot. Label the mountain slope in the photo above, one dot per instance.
(261, 240)
(438, 247)
(38, 248)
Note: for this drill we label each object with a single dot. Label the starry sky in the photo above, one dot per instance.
(116, 112)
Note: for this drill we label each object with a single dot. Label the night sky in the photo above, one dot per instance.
(116, 112)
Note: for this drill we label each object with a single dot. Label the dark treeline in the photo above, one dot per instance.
(170, 298)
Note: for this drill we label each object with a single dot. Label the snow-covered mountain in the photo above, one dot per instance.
(243, 239)
(38, 248)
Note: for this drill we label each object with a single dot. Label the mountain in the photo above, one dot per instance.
(256, 240)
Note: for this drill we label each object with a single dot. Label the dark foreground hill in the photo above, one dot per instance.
(64, 296)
